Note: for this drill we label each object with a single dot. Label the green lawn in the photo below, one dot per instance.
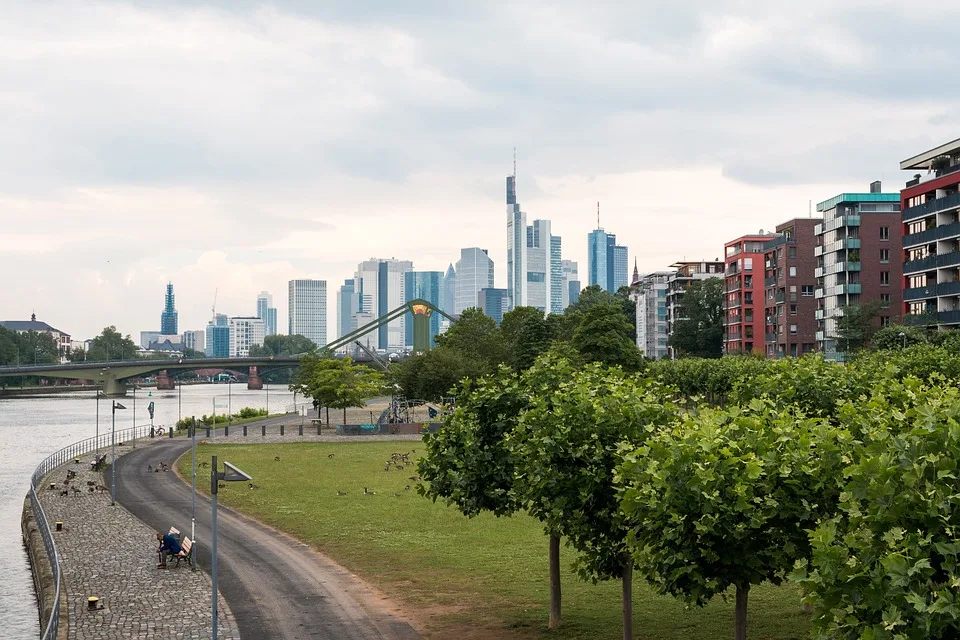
(473, 578)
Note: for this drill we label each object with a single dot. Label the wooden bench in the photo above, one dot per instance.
(97, 463)
(186, 547)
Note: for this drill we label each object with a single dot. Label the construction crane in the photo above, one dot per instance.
(373, 356)
(214, 307)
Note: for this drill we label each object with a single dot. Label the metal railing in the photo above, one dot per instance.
(50, 463)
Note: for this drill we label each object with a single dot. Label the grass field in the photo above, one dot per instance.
(468, 578)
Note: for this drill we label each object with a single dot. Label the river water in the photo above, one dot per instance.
(33, 428)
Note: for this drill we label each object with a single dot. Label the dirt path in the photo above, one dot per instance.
(275, 586)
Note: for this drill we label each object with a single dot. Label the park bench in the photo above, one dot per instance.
(186, 547)
(97, 463)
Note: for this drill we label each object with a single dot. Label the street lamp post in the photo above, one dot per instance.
(266, 386)
(193, 484)
(903, 338)
(229, 474)
(113, 451)
(229, 399)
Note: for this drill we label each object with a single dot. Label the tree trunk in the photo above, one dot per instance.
(554, 582)
(328, 416)
(628, 598)
(740, 614)
(344, 415)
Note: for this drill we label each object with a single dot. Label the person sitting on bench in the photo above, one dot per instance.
(169, 545)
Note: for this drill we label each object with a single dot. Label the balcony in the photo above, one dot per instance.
(818, 314)
(852, 288)
(818, 293)
(931, 206)
(949, 259)
(818, 250)
(853, 265)
(818, 229)
(734, 286)
(769, 282)
(841, 221)
(932, 235)
(819, 336)
(818, 272)
(771, 337)
(928, 319)
(932, 291)
(779, 297)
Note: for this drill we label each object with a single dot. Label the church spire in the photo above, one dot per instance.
(636, 272)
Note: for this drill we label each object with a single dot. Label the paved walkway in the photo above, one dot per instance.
(107, 552)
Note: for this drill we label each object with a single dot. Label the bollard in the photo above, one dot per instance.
(226, 430)
(190, 431)
(170, 431)
(92, 603)
(318, 427)
(281, 429)
(76, 461)
(263, 430)
(244, 430)
(53, 485)
(208, 432)
(59, 526)
(300, 431)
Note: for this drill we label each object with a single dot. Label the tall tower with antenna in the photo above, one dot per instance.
(516, 243)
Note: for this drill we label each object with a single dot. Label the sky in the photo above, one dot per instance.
(230, 146)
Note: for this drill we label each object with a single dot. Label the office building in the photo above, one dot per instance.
(348, 303)
(267, 312)
(245, 332)
(217, 338)
(381, 287)
(650, 295)
(168, 318)
(307, 310)
(474, 272)
(194, 340)
(449, 298)
(494, 303)
(516, 246)
(607, 264)
(570, 285)
(423, 285)
(743, 294)
(685, 274)
(930, 211)
(789, 282)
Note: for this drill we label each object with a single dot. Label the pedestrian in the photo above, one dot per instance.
(169, 545)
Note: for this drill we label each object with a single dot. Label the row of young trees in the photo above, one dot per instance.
(709, 475)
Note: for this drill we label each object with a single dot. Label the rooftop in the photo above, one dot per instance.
(28, 325)
(826, 205)
(923, 160)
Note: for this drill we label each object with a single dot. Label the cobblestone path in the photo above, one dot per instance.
(107, 552)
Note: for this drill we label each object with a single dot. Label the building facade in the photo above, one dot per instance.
(544, 273)
(789, 282)
(607, 262)
(494, 303)
(859, 255)
(267, 312)
(307, 310)
(516, 247)
(424, 285)
(348, 304)
(245, 332)
(194, 340)
(474, 272)
(684, 275)
(930, 211)
(168, 317)
(449, 299)
(62, 339)
(743, 321)
(570, 291)
(381, 287)
(650, 295)
(217, 339)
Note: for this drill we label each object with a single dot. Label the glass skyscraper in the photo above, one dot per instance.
(267, 312)
(474, 272)
(606, 261)
(217, 342)
(168, 318)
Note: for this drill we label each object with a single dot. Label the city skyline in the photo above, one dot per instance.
(85, 207)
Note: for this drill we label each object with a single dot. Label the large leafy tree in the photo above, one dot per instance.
(526, 335)
(898, 336)
(475, 335)
(435, 374)
(279, 345)
(724, 498)
(605, 336)
(27, 348)
(111, 345)
(700, 332)
(337, 383)
(856, 326)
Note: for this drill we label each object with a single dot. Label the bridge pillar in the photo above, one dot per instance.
(253, 380)
(113, 388)
(164, 382)
(421, 328)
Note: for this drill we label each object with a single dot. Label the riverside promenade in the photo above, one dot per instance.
(108, 553)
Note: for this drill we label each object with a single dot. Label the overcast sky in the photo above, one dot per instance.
(236, 145)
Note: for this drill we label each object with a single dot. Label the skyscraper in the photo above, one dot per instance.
(307, 309)
(571, 284)
(423, 285)
(348, 303)
(267, 312)
(168, 318)
(606, 261)
(217, 343)
(474, 272)
(544, 271)
(516, 246)
(245, 332)
(381, 288)
(493, 302)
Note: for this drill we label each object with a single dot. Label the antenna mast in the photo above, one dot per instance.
(514, 162)
(598, 214)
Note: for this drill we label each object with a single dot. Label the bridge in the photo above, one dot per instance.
(111, 376)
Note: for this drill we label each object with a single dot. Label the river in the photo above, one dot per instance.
(33, 428)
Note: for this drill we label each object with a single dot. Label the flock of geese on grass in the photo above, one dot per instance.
(397, 461)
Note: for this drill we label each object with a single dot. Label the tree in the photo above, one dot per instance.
(278, 345)
(565, 452)
(525, 336)
(700, 333)
(336, 383)
(624, 297)
(435, 374)
(604, 336)
(898, 336)
(475, 336)
(856, 326)
(724, 498)
(29, 347)
(111, 345)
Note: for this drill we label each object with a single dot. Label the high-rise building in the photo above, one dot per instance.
(348, 303)
(789, 281)
(650, 295)
(516, 246)
(570, 291)
(930, 210)
(544, 273)
(494, 303)
(381, 287)
(267, 312)
(307, 310)
(474, 272)
(423, 285)
(743, 293)
(245, 332)
(217, 341)
(168, 318)
(607, 262)
(194, 340)
(449, 299)
(859, 256)
(686, 274)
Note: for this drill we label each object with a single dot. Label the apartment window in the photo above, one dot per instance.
(792, 252)
(793, 272)
(793, 329)
(884, 256)
(806, 290)
(884, 233)
(884, 278)
(793, 309)
(884, 300)
(884, 321)
(793, 288)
